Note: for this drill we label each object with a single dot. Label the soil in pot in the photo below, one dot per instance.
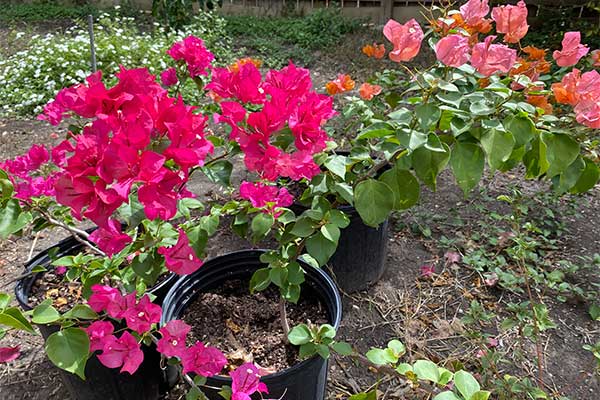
(52, 285)
(247, 327)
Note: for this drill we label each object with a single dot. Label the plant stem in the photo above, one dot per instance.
(283, 317)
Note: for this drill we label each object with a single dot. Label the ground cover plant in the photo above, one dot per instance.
(133, 145)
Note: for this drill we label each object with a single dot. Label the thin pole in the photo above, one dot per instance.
(92, 45)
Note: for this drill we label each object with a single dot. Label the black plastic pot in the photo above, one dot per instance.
(306, 380)
(359, 260)
(101, 383)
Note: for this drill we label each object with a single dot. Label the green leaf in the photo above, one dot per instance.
(466, 384)
(374, 201)
(588, 178)
(595, 312)
(81, 311)
(278, 276)
(446, 396)
(69, 349)
(535, 159)
(428, 115)
(522, 128)
(404, 185)
(376, 130)
(303, 227)
(339, 219)
(295, 273)
(326, 331)
(337, 165)
(320, 248)
(403, 368)
(300, 335)
(219, 172)
(8, 218)
(307, 350)
(342, 348)
(261, 279)
(480, 395)
(561, 151)
(428, 164)
(45, 313)
(397, 347)
(467, 161)
(345, 191)
(323, 351)
(291, 293)
(4, 301)
(261, 224)
(568, 179)
(14, 318)
(331, 232)
(372, 395)
(498, 146)
(381, 356)
(427, 370)
(147, 267)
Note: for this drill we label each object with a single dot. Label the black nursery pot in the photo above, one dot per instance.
(359, 260)
(101, 383)
(306, 380)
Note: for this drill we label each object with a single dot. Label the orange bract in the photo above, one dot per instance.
(368, 91)
(540, 102)
(533, 53)
(374, 50)
(342, 84)
(235, 67)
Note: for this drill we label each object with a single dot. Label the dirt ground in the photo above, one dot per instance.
(425, 313)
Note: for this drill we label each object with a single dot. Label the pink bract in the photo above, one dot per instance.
(202, 360)
(123, 352)
(265, 196)
(169, 77)
(142, 316)
(172, 342)
(572, 50)
(102, 296)
(246, 381)
(110, 240)
(8, 354)
(474, 11)
(512, 21)
(195, 54)
(181, 258)
(453, 50)
(98, 332)
(488, 58)
(406, 39)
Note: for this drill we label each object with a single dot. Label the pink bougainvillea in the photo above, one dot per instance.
(142, 316)
(121, 352)
(474, 11)
(98, 332)
(266, 197)
(194, 53)
(32, 174)
(406, 39)
(453, 50)
(291, 104)
(512, 21)
(202, 360)
(572, 50)
(181, 257)
(488, 58)
(110, 240)
(8, 354)
(172, 342)
(245, 382)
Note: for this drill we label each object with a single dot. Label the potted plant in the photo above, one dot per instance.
(480, 102)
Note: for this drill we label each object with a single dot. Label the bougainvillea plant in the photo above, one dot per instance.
(132, 148)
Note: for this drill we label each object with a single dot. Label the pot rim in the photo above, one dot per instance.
(320, 275)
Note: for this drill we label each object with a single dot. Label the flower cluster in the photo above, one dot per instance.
(286, 104)
(246, 381)
(138, 138)
(266, 197)
(28, 174)
(140, 316)
(196, 56)
(583, 92)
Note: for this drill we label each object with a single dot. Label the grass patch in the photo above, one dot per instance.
(276, 40)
